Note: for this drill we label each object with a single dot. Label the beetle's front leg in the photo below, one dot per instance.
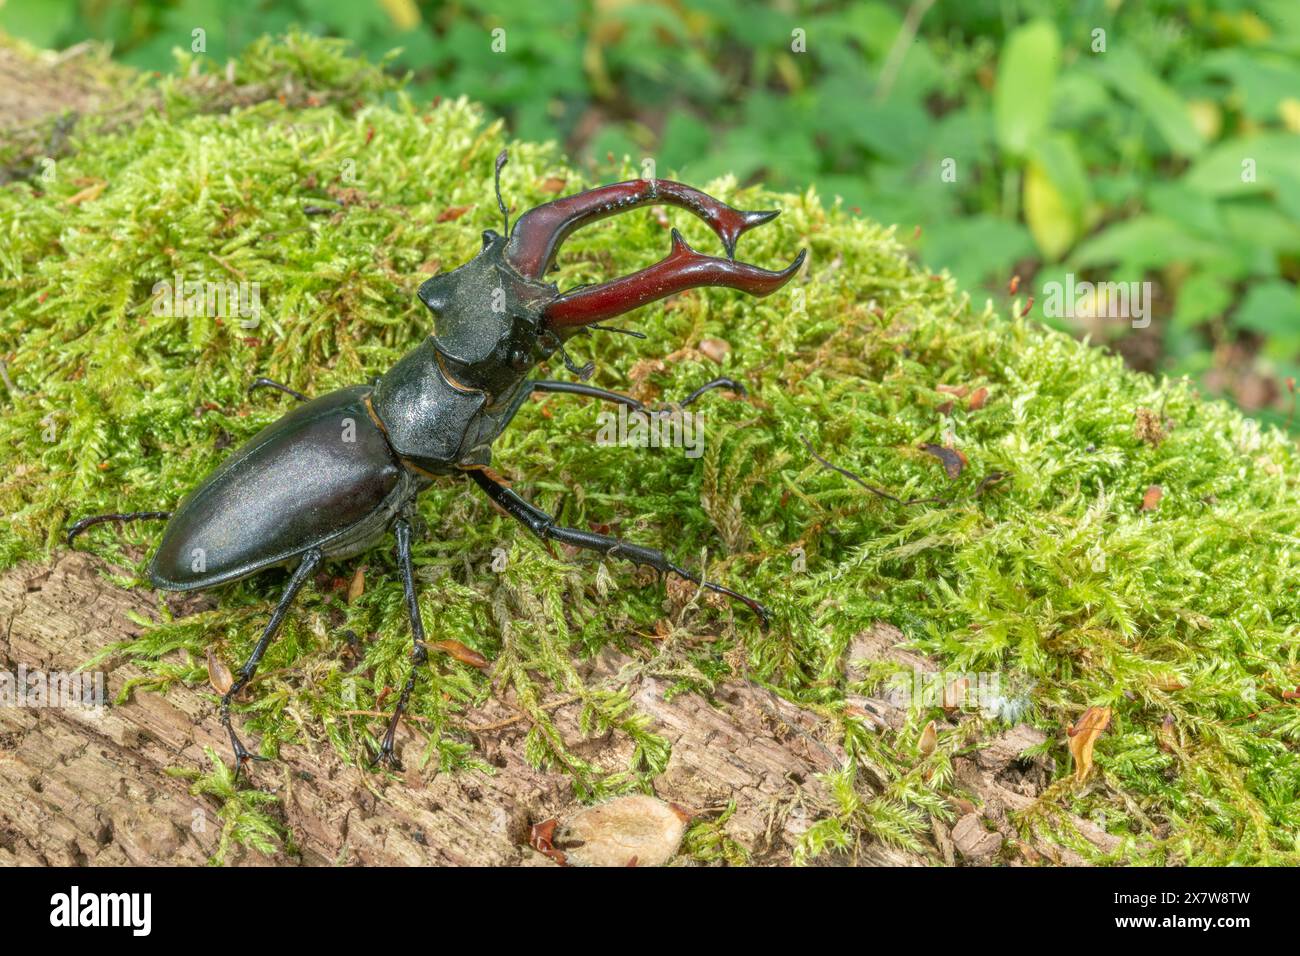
(618, 398)
(419, 653)
(543, 525)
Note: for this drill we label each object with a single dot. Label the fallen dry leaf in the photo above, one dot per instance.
(1166, 736)
(955, 693)
(553, 184)
(958, 390)
(715, 349)
(466, 655)
(978, 399)
(1151, 500)
(1083, 735)
(219, 675)
(953, 460)
(357, 586)
(962, 804)
(88, 194)
(452, 213)
(929, 739)
(635, 827)
(541, 837)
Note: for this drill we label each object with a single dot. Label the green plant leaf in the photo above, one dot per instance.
(1270, 307)
(1203, 296)
(1246, 164)
(1022, 98)
(1129, 78)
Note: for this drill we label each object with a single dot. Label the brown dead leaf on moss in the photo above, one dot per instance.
(929, 740)
(635, 830)
(457, 650)
(357, 586)
(452, 213)
(1083, 737)
(89, 194)
(953, 460)
(715, 349)
(219, 675)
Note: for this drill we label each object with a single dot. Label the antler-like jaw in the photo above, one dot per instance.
(683, 268)
(539, 233)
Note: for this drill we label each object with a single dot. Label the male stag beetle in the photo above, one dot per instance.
(296, 494)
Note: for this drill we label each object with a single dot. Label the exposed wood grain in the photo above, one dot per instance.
(79, 789)
(82, 789)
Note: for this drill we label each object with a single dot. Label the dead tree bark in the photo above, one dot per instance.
(79, 789)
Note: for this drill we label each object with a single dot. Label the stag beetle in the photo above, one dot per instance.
(330, 478)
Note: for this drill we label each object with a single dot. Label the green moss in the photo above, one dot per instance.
(1054, 578)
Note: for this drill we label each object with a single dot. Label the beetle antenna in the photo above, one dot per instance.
(614, 328)
(502, 158)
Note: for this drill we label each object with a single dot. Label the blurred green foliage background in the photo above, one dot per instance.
(1111, 140)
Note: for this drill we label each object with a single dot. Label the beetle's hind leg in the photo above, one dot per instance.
(419, 652)
(310, 561)
(87, 522)
(543, 525)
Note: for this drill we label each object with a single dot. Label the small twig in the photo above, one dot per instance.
(871, 488)
(242, 277)
(510, 721)
(902, 42)
(992, 478)
(468, 728)
(4, 375)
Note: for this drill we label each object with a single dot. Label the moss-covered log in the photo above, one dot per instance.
(1087, 537)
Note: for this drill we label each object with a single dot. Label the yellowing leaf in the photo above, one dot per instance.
(357, 587)
(88, 194)
(1047, 214)
(1083, 736)
(1208, 118)
(404, 13)
(1290, 110)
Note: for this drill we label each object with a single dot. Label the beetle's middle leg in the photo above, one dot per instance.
(419, 653)
(310, 561)
(577, 388)
(543, 525)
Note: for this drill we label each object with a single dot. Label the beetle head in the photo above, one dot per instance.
(488, 325)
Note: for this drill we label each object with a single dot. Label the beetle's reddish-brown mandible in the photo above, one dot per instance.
(539, 233)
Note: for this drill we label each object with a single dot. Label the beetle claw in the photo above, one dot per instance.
(387, 756)
(242, 753)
